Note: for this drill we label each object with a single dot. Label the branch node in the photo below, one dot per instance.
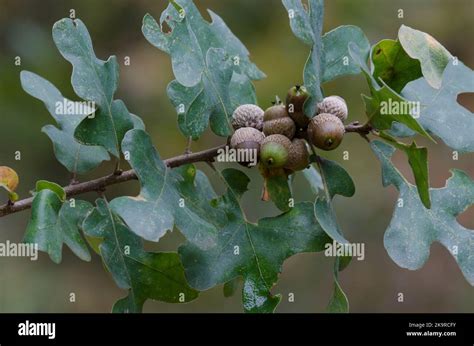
(73, 180)
(101, 191)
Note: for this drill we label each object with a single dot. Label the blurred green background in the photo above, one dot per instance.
(372, 285)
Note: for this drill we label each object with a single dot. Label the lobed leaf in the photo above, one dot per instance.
(146, 275)
(307, 25)
(440, 112)
(208, 62)
(55, 221)
(418, 160)
(254, 252)
(336, 182)
(336, 60)
(383, 117)
(377, 105)
(339, 302)
(93, 80)
(76, 157)
(167, 196)
(189, 39)
(210, 101)
(432, 55)
(331, 180)
(329, 57)
(414, 228)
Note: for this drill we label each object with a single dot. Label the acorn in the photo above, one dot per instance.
(326, 131)
(274, 151)
(277, 121)
(247, 115)
(334, 105)
(247, 138)
(298, 158)
(295, 99)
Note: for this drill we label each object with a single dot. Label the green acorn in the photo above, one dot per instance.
(326, 131)
(277, 121)
(295, 99)
(274, 151)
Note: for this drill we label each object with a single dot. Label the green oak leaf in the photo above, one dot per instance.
(331, 180)
(336, 182)
(329, 57)
(243, 91)
(254, 252)
(393, 65)
(279, 190)
(55, 221)
(167, 197)
(212, 67)
(414, 228)
(93, 80)
(339, 302)
(440, 113)
(76, 157)
(307, 25)
(378, 106)
(418, 160)
(335, 51)
(432, 55)
(300, 19)
(146, 275)
(56, 188)
(189, 39)
(213, 100)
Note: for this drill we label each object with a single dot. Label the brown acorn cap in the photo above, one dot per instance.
(246, 134)
(326, 131)
(283, 126)
(334, 105)
(247, 115)
(275, 112)
(298, 158)
(247, 138)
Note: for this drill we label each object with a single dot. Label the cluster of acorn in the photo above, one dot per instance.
(278, 134)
